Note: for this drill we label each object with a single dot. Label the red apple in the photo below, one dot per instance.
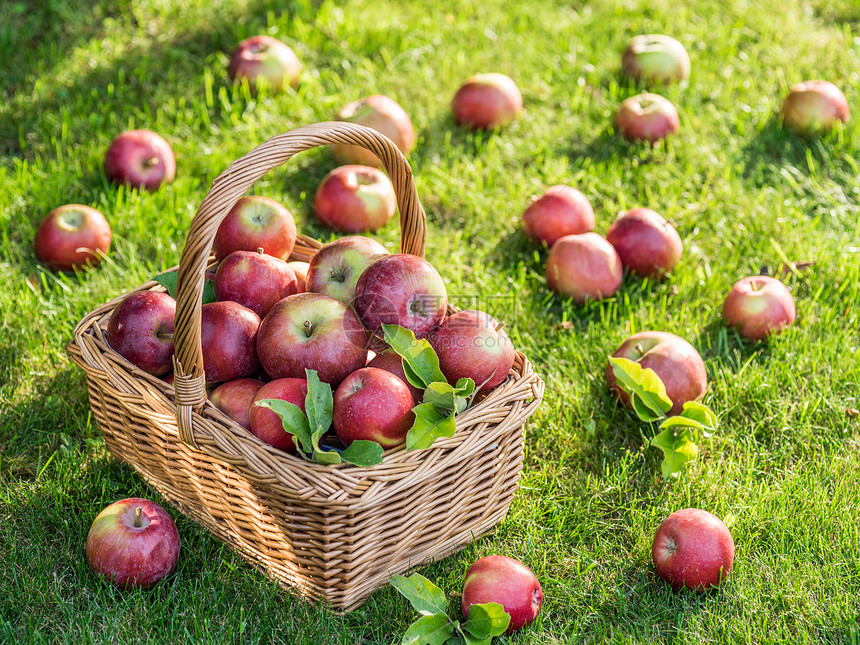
(814, 107)
(391, 362)
(654, 57)
(133, 543)
(256, 223)
(675, 361)
(647, 244)
(72, 237)
(352, 199)
(374, 405)
(647, 117)
(559, 211)
(311, 331)
(301, 271)
(228, 334)
(471, 344)
(403, 290)
(497, 578)
(141, 159)
(263, 60)
(141, 330)
(583, 267)
(379, 113)
(486, 102)
(234, 399)
(758, 306)
(254, 280)
(693, 549)
(266, 424)
(337, 266)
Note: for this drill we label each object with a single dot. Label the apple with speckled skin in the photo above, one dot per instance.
(234, 399)
(301, 271)
(72, 237)
(813, 108)
(486, 102)
(374, 405)
(498, 578)
(263, 60)
(657, 58)
(559, 211)
(266, 425)
(354, 198)
(647, 117)
(141, 330)
(584, 267)
(255, 223)
(758, 306)
(693, 549)
(392, 362)
(647, 244)
(254, 280)
(674, 360)
(380, 113)
(133, 543)
(336, 267)
(140, 159)
(228, 335)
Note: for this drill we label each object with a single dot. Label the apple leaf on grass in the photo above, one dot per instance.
(678, 450)
(434, 629)
(487, 620)
(420, 362)
(646, 390)
(170, 279)
(425, 597)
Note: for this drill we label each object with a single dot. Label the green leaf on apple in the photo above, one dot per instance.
(678, 450)
(319, 405)
(646, 390)
(420, 362)
(430, 424)
(170, 279)
(434, 629)
(362, 452)
(425, 597)
(294, 420)
(487, 620)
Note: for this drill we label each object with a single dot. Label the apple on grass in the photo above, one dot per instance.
(228, 335)
(647, 244)
(254, 280)
(487, 101)
(133, 543)
(374, 405)
(300, 269)
(392, 362)
(403, 290)
(265, 61)
(674, 360)
(814, 107)
(335, 269)
(655, 57)
(141, 159)
(379, 113)
(141, 330)
(256, 223)
(693, 549)
(559, 211)
(583, 267)
(500, 579)
(647, 117)
(72, 237)
(266, 425)
(758, 306)
(234, 399)
(355, 198)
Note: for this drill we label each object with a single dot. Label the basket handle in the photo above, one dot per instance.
(228, 187)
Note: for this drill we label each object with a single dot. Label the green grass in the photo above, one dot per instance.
(784, 470)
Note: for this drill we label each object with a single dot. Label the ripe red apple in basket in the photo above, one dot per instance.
(266, 424)
(647, 117)
(263, 60)
(487, 101)
(584, 267)
(228, 335)
(498, 578)
(655, 57)
(647, 244)
(301, 271)
(355, 198)
(374, 405)
(559, 211)
(141, 159)
(254, 280)
(141, 330)
(814, 107)
(133, 543)
(758, 306)
(234, 399)
(256, 223)
(379, 113)
(390, 361)
(72, 237)
(693, 549)
(337, 266)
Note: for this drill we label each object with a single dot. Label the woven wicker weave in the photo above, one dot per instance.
(334, 533)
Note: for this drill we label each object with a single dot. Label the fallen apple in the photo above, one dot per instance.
(141, 330)
(655, 57)
(379, 113)
(559, 211)
(141, 159)
(647, 244)
(498, 578)
(693, 549)
(647, 117)
(583, 267)
(374, 405)
(72, 237)
(354, 198)
(813, 108)
(758, 306)
(335, 269)
(265, 61)
(256, 223)
(487, 101)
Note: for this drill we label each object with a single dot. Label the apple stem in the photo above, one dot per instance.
(260, 250)
(165, 335)
(500, 326)
(137, 514)
(308, 328)
(151, 162)
(638, 348)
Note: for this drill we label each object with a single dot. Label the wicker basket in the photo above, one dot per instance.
(329, 533)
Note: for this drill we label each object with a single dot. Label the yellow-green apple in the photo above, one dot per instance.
(583, 267)
(814, 107)
(758, 306)
(647, 117)
(133, 543)
(256, 223)
(228, 334)
(379, 113)
(373, 405)
(390, 361)
(354, 198)
(265, 61)
(647, 244)
(486, 102)
(403, 290)
(266, 424)
(559, 211)
(301, 271)
(141, 330)
(312, 331)
(675, 361)
(141, 159)
(72, 237)
(498, 578)
(655, 57)
(234, 399)
(693, 549)
(337, 266)
(472, 344)
(254, 280)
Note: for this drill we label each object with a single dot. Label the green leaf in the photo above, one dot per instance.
(294, 420)
(701, 414)
(326, 457)
(441, 394)
(487, 620)
(170, 279)
(319, 404)
(362, 452)
(678, 450)
(430, 424)
(434, 629)
(420, 362)
(468, 639)
(644, 385)
(425, 597)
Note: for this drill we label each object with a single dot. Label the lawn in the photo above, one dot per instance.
(783, 470)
